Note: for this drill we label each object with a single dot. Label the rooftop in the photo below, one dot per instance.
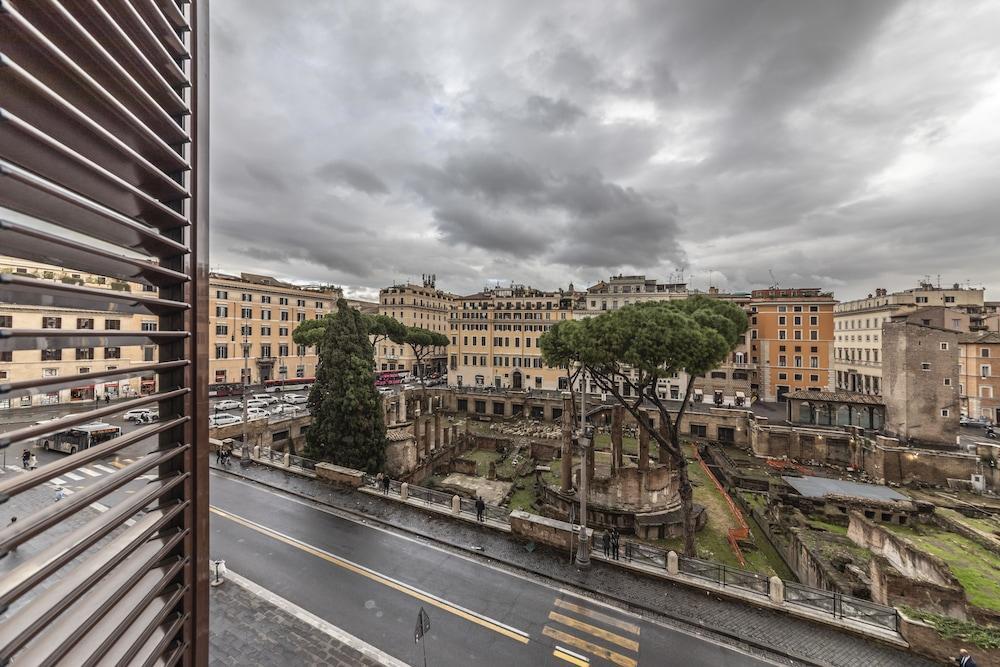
(834, 397)
(820, 487)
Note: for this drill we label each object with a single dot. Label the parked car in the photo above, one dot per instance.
(223, 419)
(257, 413)
(141, 415)
(267, 398)
(295, 398)
(289, 410)
(227, 404)
(978, 422)
(257, 403)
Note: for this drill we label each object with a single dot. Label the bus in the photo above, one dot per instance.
(290, 384)
(225, 389)
(389, 378)
(81, 437)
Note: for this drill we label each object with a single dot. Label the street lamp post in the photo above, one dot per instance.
(585, 437)
(245, 450)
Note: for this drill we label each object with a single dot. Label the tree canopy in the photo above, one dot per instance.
(423, 342)
(347, 427)
(380, 327)
(628, 351)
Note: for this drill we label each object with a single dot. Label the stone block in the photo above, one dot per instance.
(340, 475)
(456, 505)
(404, 491)
(673, 565)
(776, 590)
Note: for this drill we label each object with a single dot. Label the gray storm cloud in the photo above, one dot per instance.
(847, 143)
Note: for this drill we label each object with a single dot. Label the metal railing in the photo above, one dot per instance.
(103, 171)
(842, 606)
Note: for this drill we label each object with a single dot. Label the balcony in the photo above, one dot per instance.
(266, 361)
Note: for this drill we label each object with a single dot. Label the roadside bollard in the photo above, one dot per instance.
(404, 491)
(672, 564)
(776, 591)
(456, 505)
(218, 569)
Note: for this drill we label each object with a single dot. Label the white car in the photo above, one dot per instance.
(223, 420)
(257, 413)
(295, 398)
(267, 398)
(284, 410)
(227, 404)
(140, 415)
(257, 403)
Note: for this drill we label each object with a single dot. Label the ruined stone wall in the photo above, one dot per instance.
(400, 458)
(637, 490)
(903, 465)
(890, 587)
(809, 568)
(908, 559)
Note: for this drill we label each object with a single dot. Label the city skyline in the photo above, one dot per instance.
(851, 153)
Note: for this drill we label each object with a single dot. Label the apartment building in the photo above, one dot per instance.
(494, 337)
(252, 318)
(413, 305)
(621, 290)
(791, 340)
(858, 327)
(979, 368)
(56, 358)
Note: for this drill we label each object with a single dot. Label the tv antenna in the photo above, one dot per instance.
(774, 281)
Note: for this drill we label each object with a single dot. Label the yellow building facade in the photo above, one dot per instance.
(414, 305)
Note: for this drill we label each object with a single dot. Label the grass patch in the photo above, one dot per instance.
(989, 526)
(523, 499)
(834, 528)
(630, 445)
(976, 568)
(482, 459)
(984, 636)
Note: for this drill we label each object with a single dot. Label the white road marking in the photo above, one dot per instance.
(57, 481)
(89, 472)
(103, 468)
(16, 468)
(73, 476)
(516, 575)
(148, 477)
(357, 644)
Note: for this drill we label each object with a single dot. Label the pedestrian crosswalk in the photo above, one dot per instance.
(94, 470)
(584, 630)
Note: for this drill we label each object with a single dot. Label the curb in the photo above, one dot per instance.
(684, 622)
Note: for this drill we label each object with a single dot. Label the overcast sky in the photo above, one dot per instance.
(845, 145)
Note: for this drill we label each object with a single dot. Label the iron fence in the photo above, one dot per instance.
(842, 606)
(301, 462)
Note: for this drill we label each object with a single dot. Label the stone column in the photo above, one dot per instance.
(590, 465)
(426, 425)
(566, 464)
(445, 433)
(643, 429)
(664, 456)
(438, 438)
(402, 406)
(617, 417)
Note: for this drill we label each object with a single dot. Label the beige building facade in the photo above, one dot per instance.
(979, 366)
(86, 353)
(858, 327)
(412, 305)
(494, 337)
(252, 318)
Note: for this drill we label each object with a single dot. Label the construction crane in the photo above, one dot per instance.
(774, 281)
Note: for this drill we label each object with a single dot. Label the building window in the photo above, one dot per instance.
(984, 370)
(947, 382)
(51, 355)
(782, 335)
(221, 351)
(944, 346)
(219, 294)
(148, 325)
(84, 323)
(113, 325)
(925, 366)
(246, 313)
(246, 297)
(814, 378)
(84, 353)
(221, 329)
(51, 322)
(782, 320)
(798, 320)
(149, 353)
(782, 376)
(112, 353)
(265, 314)
(814, 320)
(945, 412)
(984, 352)
(222, 311)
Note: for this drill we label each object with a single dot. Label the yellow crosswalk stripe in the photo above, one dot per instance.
(600, 633)
(589, 647)
(598, 616)
(571, 658)
(117, 464)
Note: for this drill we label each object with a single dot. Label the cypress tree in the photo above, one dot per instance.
(347, 427)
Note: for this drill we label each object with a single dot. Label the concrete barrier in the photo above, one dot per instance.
(340, 475)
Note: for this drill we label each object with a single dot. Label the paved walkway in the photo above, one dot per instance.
(748, 626)
(247, 629)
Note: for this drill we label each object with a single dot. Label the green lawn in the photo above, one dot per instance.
(522, 499)
(976, 568)
(482, 459)
(989, 526)
(834, 528)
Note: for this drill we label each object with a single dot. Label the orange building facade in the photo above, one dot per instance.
(791, 340)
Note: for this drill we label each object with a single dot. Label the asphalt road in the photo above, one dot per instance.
(371, 583)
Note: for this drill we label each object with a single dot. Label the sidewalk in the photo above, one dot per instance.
(247, 629)
(730, 621)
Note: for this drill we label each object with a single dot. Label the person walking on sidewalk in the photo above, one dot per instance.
(606, 541)
(386, 484)
(964, 659)
(218, 455)
(614, 543)
(378, 480)
(25, 457)
(480, 509)
(628, 551)
(60, 493)
(32, 462)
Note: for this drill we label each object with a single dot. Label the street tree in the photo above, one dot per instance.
(380, 328)
(628, 351)
(423, 342)
(347, 427)
(311, 332)
(561, 349)
(383, 327)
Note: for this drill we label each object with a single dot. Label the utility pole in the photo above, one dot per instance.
(245, 452)
(584, 438)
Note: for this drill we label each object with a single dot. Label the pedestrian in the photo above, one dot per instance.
(60, 493)
(13, 520)
(964, 659)
(25, 456)
(378, 481)
(386, 485)
(218, 455)
(628, 551)
(480, 509)
(107, 399)
(32, 462)
(606, 541)
(614, 543)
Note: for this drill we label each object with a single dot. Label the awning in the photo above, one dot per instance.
(740, 394)
(698, 392)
